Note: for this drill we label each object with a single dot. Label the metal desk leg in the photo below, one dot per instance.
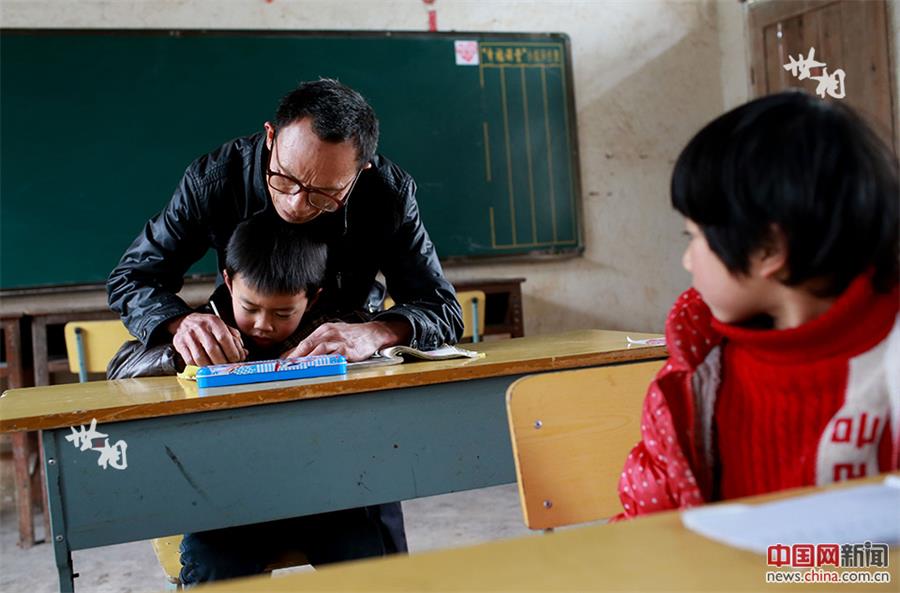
(42, 478)
(61, 548)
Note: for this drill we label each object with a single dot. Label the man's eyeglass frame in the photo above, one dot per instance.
(333, 203)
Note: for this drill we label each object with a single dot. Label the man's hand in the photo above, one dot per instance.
(356, 341)
(203, 339)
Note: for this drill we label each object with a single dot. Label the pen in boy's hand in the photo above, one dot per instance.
(237, 335)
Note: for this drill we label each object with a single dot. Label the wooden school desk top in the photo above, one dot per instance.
(71, 404)
(654, 553)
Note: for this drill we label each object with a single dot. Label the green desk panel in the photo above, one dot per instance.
(216, 469)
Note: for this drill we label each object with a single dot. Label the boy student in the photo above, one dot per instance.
(784, 365)
(314, 165)
(272, 275)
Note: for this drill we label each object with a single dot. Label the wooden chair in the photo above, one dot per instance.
(571, 432)
(90, 346)
(473, 306)
(472, 303)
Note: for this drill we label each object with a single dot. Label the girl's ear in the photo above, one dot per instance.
(771, 261)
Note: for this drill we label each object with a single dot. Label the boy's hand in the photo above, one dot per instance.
(356, 341)
(203, 339)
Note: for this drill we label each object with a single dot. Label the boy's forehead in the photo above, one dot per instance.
(247, 292)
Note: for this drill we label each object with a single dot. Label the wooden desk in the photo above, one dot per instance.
(13, 367)
(33, 312)
(44, 308)
(27, 475)
(655, 553)
(198, 463)
(47, 308)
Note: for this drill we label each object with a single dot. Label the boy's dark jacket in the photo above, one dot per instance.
(379, 230)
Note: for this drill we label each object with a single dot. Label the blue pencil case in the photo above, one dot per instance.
(241, 373)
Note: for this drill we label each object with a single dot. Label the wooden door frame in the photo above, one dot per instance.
(767, 12)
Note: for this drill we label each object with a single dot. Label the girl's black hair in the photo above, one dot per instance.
(813, 169)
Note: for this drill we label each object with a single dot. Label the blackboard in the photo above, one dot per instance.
(98, 126)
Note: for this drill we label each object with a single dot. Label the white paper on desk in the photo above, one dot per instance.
(850, 515)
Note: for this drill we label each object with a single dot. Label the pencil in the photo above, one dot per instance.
(216, 311)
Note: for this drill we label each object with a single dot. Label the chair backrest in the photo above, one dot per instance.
(473, 304)
(571, 432)
(99, 342)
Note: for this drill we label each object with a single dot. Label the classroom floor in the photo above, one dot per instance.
(449, 520)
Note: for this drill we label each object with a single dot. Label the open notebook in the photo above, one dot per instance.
(399, 354)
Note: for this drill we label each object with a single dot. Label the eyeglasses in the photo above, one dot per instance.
(285, 184)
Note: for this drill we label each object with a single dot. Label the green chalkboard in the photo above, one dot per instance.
(98, 126)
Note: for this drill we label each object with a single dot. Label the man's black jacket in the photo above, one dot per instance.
(378, 229)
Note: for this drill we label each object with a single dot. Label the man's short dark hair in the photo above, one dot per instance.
(275, 257)
(338, 114)
(813, 169)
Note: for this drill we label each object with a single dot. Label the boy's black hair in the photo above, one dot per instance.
(812, 168)
(338, 114)
(275, 257)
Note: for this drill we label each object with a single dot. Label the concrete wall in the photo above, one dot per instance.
(648, 74)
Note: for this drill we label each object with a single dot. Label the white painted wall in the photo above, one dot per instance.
(648, 74)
